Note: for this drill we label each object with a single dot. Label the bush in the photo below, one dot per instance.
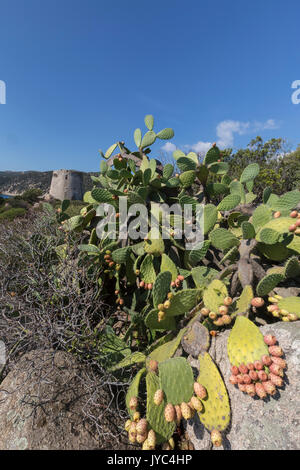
(11, 214)
(32, 195)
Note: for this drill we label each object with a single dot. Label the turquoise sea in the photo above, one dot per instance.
(5, 196)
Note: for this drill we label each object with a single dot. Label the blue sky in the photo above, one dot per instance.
(81, 74)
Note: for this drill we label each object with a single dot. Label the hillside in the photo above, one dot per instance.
(16, 182)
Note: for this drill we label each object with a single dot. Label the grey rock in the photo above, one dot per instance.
(42, 404)
(273, 423)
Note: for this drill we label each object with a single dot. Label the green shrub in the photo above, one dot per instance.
(11, 214)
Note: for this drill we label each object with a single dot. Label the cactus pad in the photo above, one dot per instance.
(133, 390)
(161, 287)
(245, 343)
(213, 296)
(267, 283)
(216, 412)
(223, 239)
(168, 265)
(229, 202)
(176, 380)
(166, 350)
(148, 273)
(155, 413)
(292, 267)
(151, 321)
(183, 302)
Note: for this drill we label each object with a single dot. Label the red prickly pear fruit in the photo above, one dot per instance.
(140, 438)
(292, 228)
(275, 351)
(277, 214)
(205, 311)
(297, 223)
(133, 403)
(277, 381)
(142, 284)
(270, 340)
(169, 413)
(250, 390)
(158, 397)
(153, 365)
(294, 214)
(262, 375)
(269, 387)
(200, 391)
(279, 361)
(250, 366)
(258, 365)
(233, 380)
(276, 369)
(214, 144)
(178, 414)
(266, 360)
(223, 310)
(253, 375)
(141, 427)
(173, 284)
(216, 438)
(180, 277)
(247, 379)
(227, 301)
(186, 410)
(243, 369)
(234, 370)
(260, 391)
(240, 379)
(257, 302)
(242, 387)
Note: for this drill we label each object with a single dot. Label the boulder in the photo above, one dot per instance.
(47, 403)
(270, 424)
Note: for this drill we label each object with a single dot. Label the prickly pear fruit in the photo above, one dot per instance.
(243, 369)
(270, 340)
(234, 370)
(161, 315)
(178, 414)
(186, 410)
(171, 443)
(233, 380)
(136, 416)
(205, 311)
(133, 404)
(253, 375)
(277, 214)
(275, 351)
(246, 379)
(257, 302)
(266, 360)
(276, 380)
(127, 425)
(223, 310)
(158, 397)
(200, 391)
(216, 438)
(259, 388)
(153, 365)
(151, 438)
(141, 427)
(196, 403)
(262, 375)
(276, 369)
(227, 301)
(240, 379)
(279, 361)
(242, 387)
(169, 413)
(258, 365)
(269, 387)
(146, 445)
(250, 366)
(250, 390)
(226, 319)
(140, 438)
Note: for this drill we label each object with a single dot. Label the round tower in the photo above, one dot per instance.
(67, 184)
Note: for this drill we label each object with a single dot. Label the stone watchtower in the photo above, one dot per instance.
(67, 184)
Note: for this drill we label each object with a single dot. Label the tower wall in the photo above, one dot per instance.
(67, 184)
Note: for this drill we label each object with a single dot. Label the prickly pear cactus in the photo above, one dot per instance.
(176, 380)
(216, 409)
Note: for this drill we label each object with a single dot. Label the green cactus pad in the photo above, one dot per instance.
(166, 134)
(219, 168)
(161, 287)
(183, 302)
(166, 350)
(248, 230)
(249, 173)
(277, 252)
(210, 217)
(178, 153)
(151, 321)
(155, 413)
(168, 265)
(267, 283)
(288, 200)
(176, 380)
(292, 268)
(244, 302)
(245, 343)
(212, 156)
(137, 137)
(102, 195)
(134, 358)
(203, 276)
(229, 202)
(250, 197)
(154, 246)
(261, 216)
(121, 255)
(74, 223)
(148, 273)
(269, 236)
(149, 121)
(186, 164)
(168, 171)
(133, 390)
(215, 189)
(198, 254)
(223, 239)
(291, 304)
(280, 225)
(216, 412)
(187, 178)
(231, 255)
(214, 295)
(148, 139)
